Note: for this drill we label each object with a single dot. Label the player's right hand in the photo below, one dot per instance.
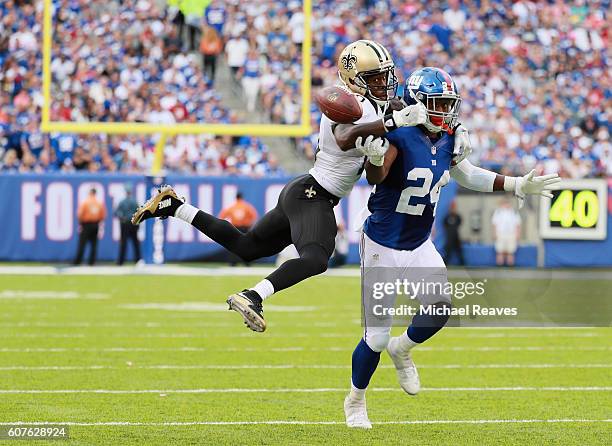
(411, 115)
(374, 148)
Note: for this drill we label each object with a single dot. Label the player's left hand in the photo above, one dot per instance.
(532, 185)
(374, 148)
(463, 146)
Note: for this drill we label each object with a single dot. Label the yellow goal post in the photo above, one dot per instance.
(165, 130)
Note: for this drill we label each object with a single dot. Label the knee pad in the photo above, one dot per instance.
(315, 258)
(377, 338)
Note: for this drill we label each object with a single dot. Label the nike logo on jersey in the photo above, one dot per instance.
(164, 203)
(310, 192)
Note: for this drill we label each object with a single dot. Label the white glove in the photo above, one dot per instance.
(530, 185)
(463, 146)
(409, 116)
(374, 148)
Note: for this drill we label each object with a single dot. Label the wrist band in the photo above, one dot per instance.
(509, 184)
(389, 122)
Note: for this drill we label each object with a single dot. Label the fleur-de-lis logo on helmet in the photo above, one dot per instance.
(349, 61)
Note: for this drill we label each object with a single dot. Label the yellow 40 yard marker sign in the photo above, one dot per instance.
(577, 211)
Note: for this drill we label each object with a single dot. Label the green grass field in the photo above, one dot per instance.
(158, 360)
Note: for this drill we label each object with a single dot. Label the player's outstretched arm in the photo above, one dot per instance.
(346, 134)
(482, 180)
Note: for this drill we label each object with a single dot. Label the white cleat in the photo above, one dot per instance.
(407, 373)
(356, 413)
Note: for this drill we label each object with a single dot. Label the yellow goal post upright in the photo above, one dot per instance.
(165, 130)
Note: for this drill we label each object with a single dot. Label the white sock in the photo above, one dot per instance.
(357, 394)
(264, 289)
(186, 212)
(405, 343)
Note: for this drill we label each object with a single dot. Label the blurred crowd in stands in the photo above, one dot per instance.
(113, 61)
(534, 77)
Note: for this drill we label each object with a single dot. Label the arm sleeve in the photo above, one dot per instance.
(473, 177)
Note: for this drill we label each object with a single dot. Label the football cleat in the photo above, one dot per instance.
(407, 373)
(162, 205)
(248, 304)
(356, 413)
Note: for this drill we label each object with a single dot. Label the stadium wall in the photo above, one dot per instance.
(41, 225)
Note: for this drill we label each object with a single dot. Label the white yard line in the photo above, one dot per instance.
(277, 335)
(517, 328)
(293, 349)
(50, 294)
(262, 271)
(449, 332)
(293, 366)
(242, 334)
(290, 422)
(528, 335)
(304, 390)
(208, 307)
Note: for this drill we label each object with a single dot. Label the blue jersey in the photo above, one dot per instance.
(215, 17)
(251, 68)
(403, 206)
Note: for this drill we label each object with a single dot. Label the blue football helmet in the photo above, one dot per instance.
(438, 92)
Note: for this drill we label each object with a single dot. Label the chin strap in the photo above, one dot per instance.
(433, 128)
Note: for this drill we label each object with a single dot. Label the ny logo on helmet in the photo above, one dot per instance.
(415, 81)
(349, 61)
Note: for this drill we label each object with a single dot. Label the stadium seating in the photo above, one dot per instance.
(514, 62)
(112, 62)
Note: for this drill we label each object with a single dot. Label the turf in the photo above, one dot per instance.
(108, 336)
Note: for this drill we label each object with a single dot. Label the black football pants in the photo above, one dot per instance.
(304, 216)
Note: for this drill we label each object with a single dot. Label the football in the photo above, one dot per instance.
(339, 105)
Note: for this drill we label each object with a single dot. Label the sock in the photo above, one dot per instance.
(365, 361)
(264, 288)
(405, 343)
(356, 394)
(186, 212)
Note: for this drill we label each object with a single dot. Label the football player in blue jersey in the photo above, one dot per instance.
(418, 162)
